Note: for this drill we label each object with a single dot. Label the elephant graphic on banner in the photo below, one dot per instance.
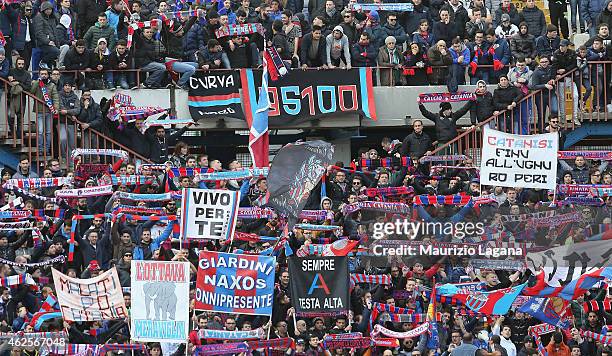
(163, 296)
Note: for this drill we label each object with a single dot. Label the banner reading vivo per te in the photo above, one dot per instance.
(160, 289)
(233, 283)
(209, 213)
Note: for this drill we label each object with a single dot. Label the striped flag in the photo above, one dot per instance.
(259, 144)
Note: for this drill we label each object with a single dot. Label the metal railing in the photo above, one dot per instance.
(580, 100)
(35, 133)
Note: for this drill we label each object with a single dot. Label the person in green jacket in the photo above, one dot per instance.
(100, 30)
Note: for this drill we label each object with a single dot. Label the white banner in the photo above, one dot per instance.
(98, 298)
(160, 290)
(519, 161)
(85, 192)
(209, 213)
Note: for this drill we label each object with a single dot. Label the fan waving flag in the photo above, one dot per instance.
(571, 290)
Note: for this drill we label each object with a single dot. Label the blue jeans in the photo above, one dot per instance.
(542, 102)
(186, 70)
(157, 73)
(35, 61)
(43, 126)
(522, 118)
(480, 75)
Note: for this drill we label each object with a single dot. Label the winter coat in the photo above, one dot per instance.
(502, 52)
(483, 108)
(377, 36)
(560, 350)
(92, 115)
(19, 32)
(305, 48)
(396, 31)
(540, 77)
(471, 27)
(565, 60)
(523, 46)
(439, 64)
(446, 32)
(506, 32)
(76, 61)
(425, 40)
(415, 75)
(70, 102)
(546, 46)
(459, 17)
(535, 19)
(116, 59)
(515, 18)
(74, 19)
(416, 145)
(96, 32)
(350, 31)
(102, 59)
(207, 57)
(280, 43)
(61, 33)
(446, 127)
(514, 75)
(44, 26)
(195, 40)
(148, 51)
(363, 56)
(484, 58)
(384, 59)
(464, 51)
(502, 97)
(51, 90)
(591, 9)
(412, 20)
(605, 17)
(239, 57)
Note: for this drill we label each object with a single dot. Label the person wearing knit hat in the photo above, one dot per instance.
(338, 50)
(506, 97)
(483, 106)
(445, 122)
(375, 30)
(65, 38)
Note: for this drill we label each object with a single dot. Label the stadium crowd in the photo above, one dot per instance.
(84, 45)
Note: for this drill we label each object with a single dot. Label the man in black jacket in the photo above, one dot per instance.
(312, 49)
(159, 141)
(149, 57)
(78, 60)
(544, 78)
(418, 143)
(563, 61)
(446, 122)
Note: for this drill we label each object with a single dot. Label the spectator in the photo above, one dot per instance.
(506, 97)
(102, 77)
(121, 62)
(458, 15)
(423, 37)
(523, 44)
(563, 61)
(337, 49)
(416, 65)
(506, 29)
(598, 52)
(100, 30)
(159, 141)
(312, 52)
(412, 20)
(483, 106)
(24, 35)
(519, 76)
(174, 45)
(375, 30)
(534, 18)
(509, 9)
(351, 30)
(41, 88)
(500, 51)
(583, 76)
(475, 25)
(605, 16)
(78, 60)
(65, 38)
(544, 78)
(69, 108)
(444, 29)
(240, 55)
(391, 28)
(331, 16)
(149, 58)
(4, 68)
(440, 59)
(293, 31)
(363, 53)
(90, 115)
(45, 24)
(211, 57)
(275, 11)
(389, 57)
(19, 80)
(558, 9)
(480, 59)
(546, 45)
(445, 121)
(195, 40)
(461, 57)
